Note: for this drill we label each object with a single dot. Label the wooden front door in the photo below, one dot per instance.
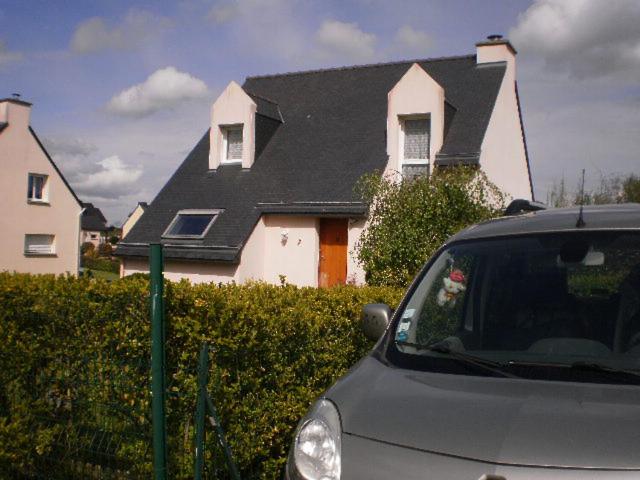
(332, 267)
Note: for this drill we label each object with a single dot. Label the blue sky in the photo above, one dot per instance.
(122, 90)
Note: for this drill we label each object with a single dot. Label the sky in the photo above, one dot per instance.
(122, 90)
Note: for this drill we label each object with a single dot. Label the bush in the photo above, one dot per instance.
(103, 264)
(410, 220)
(276, 349)
(88, 248)
(105, 249)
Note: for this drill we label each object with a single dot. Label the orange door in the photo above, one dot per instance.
(332, 267)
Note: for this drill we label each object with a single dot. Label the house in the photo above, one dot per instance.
(94, 225)
(133, 217)
(41, 222)
(268, 192)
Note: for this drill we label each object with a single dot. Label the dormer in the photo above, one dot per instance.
(242, 123)
(415, 122)
(232, 134)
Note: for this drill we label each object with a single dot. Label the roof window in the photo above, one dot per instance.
(191, 223)
(232, 144)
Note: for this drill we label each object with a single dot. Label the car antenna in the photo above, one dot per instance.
(580, 223)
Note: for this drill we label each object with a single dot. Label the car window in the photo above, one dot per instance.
(551, 299)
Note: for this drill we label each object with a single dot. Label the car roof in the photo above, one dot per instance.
(624, 216)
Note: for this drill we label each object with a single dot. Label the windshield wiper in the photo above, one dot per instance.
(581, 365)
(465, 358)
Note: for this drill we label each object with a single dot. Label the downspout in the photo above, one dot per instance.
(79, 243)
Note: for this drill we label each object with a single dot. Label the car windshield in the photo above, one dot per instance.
(550, 306)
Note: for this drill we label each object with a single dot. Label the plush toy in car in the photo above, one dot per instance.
(453, 284)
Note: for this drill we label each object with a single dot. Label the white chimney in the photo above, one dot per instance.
(15, 112)
(497, 49)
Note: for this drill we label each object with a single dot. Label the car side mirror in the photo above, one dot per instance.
(375, 318)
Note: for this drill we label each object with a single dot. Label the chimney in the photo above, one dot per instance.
(496, 48)
(15, 112)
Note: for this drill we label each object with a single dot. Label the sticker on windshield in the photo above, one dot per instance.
(408, 313)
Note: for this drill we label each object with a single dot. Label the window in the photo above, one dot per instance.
(37, 190)
(191, 224)
(232, 144)
(415, 144)
(39, 244)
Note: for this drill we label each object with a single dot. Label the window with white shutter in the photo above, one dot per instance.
(416, 139)
(232, 148)
(39, 244)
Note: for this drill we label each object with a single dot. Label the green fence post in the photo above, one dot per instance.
(203, 374)
(157, 362)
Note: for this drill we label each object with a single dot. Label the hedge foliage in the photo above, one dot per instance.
(102, 264)
(74, 361)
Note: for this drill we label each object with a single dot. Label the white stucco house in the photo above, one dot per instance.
(40, 227)
(133, 218)
(93, 225)
(269, 189)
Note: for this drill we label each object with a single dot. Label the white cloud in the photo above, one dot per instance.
(113, 179)
(410, 41)
(137, 27)
(164, 88)
(345, 40)
(587, 38)
(7, 56)
(68, 146)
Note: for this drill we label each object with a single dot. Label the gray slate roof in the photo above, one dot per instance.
(333, 132)
(93, 219)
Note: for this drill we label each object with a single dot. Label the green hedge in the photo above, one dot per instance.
(74, 353)
(102, 264)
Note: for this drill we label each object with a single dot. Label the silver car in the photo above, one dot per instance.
(514, 355)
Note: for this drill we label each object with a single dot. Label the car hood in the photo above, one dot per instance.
(498, 420)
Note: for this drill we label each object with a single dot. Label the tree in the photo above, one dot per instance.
(409, 220)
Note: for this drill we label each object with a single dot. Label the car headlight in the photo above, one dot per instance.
(316, 450)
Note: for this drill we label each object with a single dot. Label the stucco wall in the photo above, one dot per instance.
(266, 256)
(20, 155)
(355, 273)
(416, 93)
(503, 156)
(233, 107)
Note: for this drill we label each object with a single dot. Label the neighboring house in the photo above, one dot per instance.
(268, 192)
(40, 227)
(94, 225)
(133, 217)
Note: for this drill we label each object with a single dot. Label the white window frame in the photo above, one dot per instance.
(225, 131)
(45, 188)
(215, 212)
(412, 161)
(39, 250)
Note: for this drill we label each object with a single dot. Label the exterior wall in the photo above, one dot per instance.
(20, 155)
(85, 236)
(265, 256)
(503, 156)
(416, 93)
(132, 220)
(355, 273)
(297, 257)
(233, 107)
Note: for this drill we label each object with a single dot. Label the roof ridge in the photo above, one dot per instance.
(367, 65)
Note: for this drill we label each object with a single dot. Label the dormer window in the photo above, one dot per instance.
(232, 144)
(416, 133)
(415, 136)
(191, 224)
(37, 190)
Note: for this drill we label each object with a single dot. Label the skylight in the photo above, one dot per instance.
(191, 223)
